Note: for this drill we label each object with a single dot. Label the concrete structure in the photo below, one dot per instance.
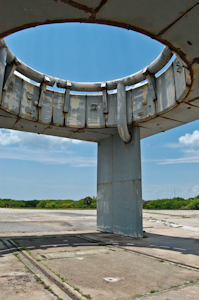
(115, 120)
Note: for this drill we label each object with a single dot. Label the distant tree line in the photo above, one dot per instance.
(174, 203)
(84, 203)
(91, 203)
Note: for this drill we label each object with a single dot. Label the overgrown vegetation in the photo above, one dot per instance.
(175, 203)
(85, 203)
(91, 203)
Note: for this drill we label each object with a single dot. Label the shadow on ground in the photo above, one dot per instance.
(71, 241)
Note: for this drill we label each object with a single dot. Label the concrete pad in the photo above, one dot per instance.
(59, 239)
(178, 249)
(120, 274)
(190, 292)
(39, 220)
(187, 219)
(17, 282)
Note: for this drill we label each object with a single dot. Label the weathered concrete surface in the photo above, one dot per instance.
(17, 282)
(182, 218)
(133, 274)
(102, 271)
(191, 292)
(119, 192)
(29, 220)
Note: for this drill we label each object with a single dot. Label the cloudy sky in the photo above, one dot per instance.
(35, 166)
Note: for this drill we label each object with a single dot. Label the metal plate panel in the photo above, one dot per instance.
(12, 96)
(29, 126)
(95, 115)
(112, 109)
(30, 94)
(126, 157)
(6, 114)
(45, 112)
(183, 34)
(183, 113)
(58, 105)
(145, 132)
(59, 131)
(195, 102)
(6, 122)
(77, 110)
(37, 12)
(105, 161)
(127, 208)
(157, 125)
(139, 95)
(89, 136)
(180, 79)
(108, 131)
(143, 104)
(150, 15)
(104, 207)
(165, 89)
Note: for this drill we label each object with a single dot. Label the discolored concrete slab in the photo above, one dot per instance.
(190, 292)
(17, 282)
(104, 265)
(119, 274)
(38, 220)
(160, 244)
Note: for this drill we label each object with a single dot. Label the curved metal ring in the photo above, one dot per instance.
(139, 76)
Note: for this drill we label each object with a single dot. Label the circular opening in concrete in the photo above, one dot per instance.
(84, 52)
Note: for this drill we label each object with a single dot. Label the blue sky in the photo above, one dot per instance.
(43, 167)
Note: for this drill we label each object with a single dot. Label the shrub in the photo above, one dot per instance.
(194, 204)
(50, 204)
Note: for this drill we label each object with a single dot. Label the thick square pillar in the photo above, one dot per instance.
(119, 192)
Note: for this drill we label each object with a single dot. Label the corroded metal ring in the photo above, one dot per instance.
(137, 77)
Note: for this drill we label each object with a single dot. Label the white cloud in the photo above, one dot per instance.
(61, 157)
(172, 145)
(189, 149)
(41, 148)
(32, 140)
(181, 160)
(8, 137)
(190, 140)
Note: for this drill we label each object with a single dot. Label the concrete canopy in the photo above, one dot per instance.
(171, 23)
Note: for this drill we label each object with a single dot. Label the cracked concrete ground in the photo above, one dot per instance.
(16, 281)
(164, 265)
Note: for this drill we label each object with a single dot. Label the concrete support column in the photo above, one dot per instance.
(119, 192)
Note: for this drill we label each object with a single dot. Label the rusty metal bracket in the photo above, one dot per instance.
(42, 94)
(67, 97)
(151, 83)
(104, 97)
(10, 68)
